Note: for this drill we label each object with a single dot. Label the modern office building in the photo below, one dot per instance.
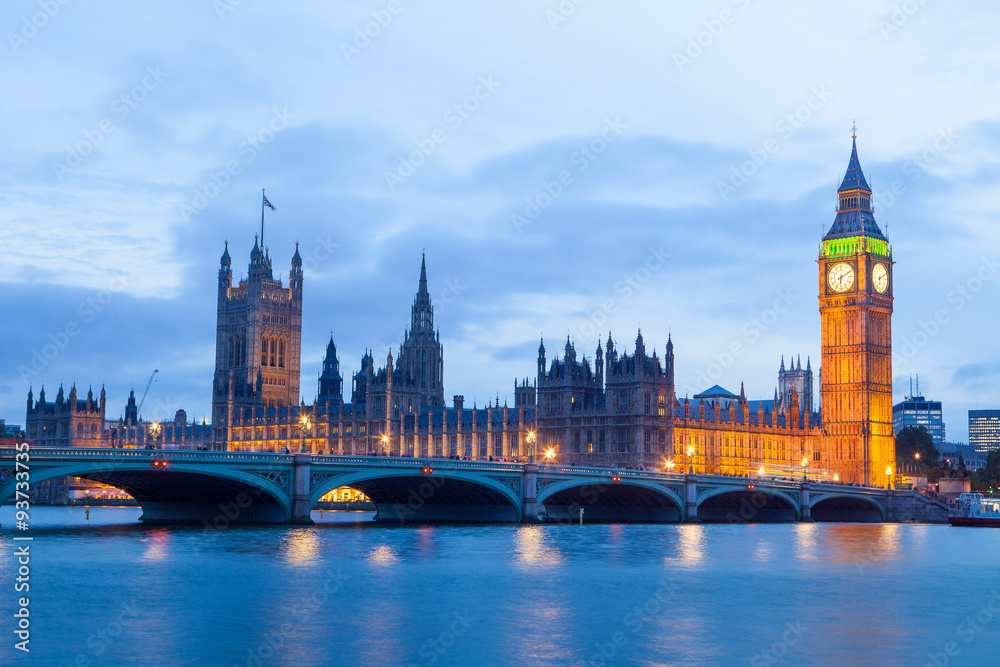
(984, 430)
(918, 411)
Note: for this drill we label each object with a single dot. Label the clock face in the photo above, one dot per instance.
(880, 278)
(841, 277)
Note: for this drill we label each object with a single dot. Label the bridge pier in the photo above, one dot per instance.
(301, 508)
(805, 514)
(529, 504)
(691, 499)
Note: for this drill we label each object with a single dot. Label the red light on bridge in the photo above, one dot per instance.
(616, 479)
(428, 471)
(750, 486)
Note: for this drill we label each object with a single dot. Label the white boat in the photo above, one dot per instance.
(972, 509)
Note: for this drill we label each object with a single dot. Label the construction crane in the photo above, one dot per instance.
(146, 391)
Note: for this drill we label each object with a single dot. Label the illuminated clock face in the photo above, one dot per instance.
(880, 278)
(841, 277)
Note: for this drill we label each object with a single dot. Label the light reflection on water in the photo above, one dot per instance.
(344, 592)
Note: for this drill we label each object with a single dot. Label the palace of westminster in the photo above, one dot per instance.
(619, 409)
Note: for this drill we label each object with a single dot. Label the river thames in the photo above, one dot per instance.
(111, 591)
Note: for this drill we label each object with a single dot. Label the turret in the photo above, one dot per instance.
(225, 272)
(295, 276)
(541, 357)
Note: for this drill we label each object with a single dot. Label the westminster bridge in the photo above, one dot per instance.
(174, 486)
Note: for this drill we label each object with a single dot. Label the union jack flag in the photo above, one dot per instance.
(269, 204)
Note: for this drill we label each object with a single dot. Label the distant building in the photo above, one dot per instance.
(9, 430)
(918, 411)
(953, 452)
(66, 422)
(984, 430)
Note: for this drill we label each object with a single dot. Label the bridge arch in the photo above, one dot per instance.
(410, 495)
(742, 504)
(846, 507)
(605, 500)
(181, 492)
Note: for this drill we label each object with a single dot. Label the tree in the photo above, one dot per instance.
(990, 474)
(913, 440)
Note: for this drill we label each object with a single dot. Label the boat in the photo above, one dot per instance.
(972, 509)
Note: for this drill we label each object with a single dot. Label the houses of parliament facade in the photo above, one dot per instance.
(618, 408)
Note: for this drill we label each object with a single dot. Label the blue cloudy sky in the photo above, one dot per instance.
(569, 167)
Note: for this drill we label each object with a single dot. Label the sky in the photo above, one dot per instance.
(569, 167)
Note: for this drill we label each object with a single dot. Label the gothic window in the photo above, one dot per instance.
(281, 352)
(468, 446)
(576, 442)
(79, 429)
(498, 445)
(453, 446)
(648, 442)
(274, 350)
(648, 399)
(483, 446)
(263, 350)
(601, 446)
(622, 440)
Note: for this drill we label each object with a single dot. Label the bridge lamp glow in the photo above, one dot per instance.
(836, 476)
(550, 453)
(761, 471)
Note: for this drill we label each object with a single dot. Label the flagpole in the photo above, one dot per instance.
(262, 197)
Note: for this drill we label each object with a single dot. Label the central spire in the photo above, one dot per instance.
(855, 212)
(422, 288)
(422, 315)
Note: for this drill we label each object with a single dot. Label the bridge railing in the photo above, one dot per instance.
(77, 453)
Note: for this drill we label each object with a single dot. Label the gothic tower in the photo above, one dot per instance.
(258, 339)
(421, 356)
(331, 382)
(855, 305)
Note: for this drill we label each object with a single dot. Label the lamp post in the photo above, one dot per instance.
(304, 426)
(888, 478)
(531, 446)
(669, 465)
(690, 460)
(154, 430)
(550, 454)
(805, 469)
(385, 444)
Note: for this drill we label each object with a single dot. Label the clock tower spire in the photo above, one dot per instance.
(855, 305)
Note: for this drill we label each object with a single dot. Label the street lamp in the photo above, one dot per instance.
(550, 453)
(304, 426)
(531, 446)
(385, 444)
(690, 460)
(760, 473)
(836, 476)
(888, 475)
(805, 468)
(154, 430)
(670, 465)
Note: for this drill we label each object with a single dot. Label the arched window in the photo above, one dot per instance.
(274, 350)
(263, 350)
(281, 352)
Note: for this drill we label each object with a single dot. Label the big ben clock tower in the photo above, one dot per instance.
(855, 306)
